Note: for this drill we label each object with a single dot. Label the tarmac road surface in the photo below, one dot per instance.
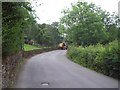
(53, 70)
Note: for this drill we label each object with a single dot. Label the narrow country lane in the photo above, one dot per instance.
(54, 70)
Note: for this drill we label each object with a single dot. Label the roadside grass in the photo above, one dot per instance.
(28, 47)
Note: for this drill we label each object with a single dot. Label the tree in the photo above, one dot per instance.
(49, 34)
(84, 24)
(16, 17)
(111, 22)
(44, 34)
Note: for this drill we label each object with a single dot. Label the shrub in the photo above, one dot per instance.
(111, 62)
(100, 58)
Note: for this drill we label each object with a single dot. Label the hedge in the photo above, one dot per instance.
(103, 59)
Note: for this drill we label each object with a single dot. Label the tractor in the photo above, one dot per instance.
(62, 46)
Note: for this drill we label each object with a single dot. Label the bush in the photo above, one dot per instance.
(100, 58)
(111, 63)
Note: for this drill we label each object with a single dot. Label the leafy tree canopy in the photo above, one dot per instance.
(16, 16)
(86, 24)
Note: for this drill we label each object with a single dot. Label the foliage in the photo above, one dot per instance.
(15, 17)
(87, 24)
(44, 34)
(101, 58)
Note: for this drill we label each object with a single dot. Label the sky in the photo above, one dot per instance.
(50, 10)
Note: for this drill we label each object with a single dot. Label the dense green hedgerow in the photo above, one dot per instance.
(100, 58)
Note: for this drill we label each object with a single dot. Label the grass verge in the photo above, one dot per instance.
(28, 47)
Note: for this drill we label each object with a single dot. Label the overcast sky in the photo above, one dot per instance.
(50, 10)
